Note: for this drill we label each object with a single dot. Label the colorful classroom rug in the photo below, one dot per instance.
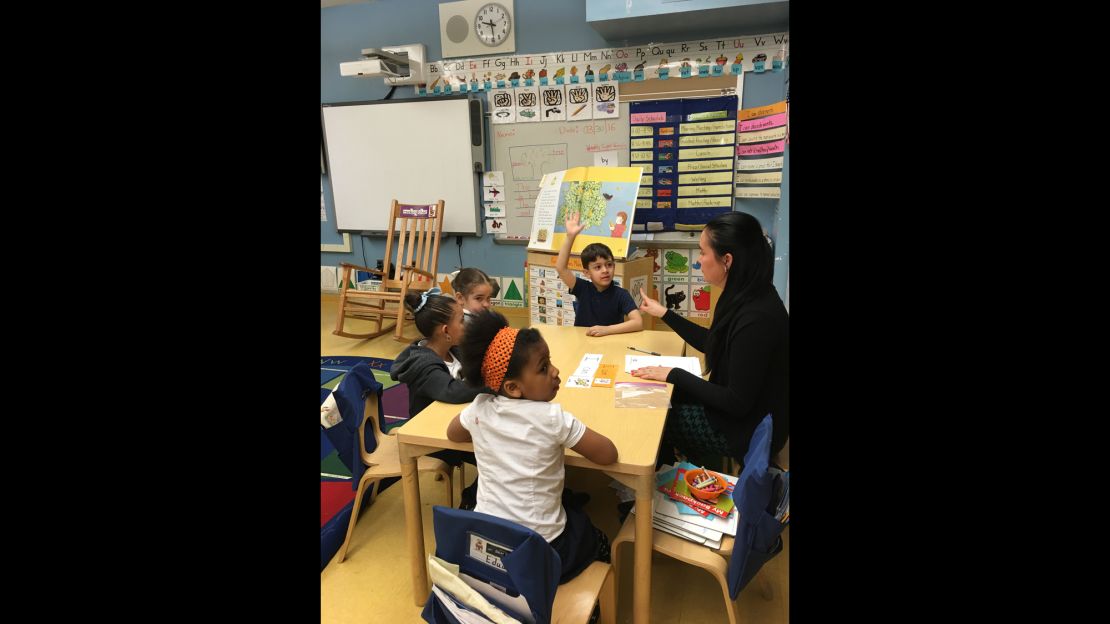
(337, 492)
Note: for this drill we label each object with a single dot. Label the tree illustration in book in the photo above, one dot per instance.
(584, 198)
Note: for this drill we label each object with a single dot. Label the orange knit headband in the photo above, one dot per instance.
(496, 362)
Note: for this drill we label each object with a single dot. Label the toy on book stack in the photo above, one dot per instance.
(699, 521)
(696, 504)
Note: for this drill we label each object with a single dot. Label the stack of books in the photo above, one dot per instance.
(676, 512)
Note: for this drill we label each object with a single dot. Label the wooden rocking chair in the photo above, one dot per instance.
(418, 229)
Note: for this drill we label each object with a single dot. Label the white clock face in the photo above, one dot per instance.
(492, 24)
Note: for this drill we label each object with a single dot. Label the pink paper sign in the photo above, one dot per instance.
(638, 118)
(763, 123)
(757, 149)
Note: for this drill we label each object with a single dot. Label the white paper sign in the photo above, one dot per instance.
(553, 103)
(527, 104)
(606, 100)
(691, 364)
(583, 376)
(495, 209)
(605, 159)
(493, 178)
(493, 193)
(501, 106)
(495, 226)
(578, 102)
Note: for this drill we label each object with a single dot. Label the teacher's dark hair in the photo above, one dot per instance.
(753, 266)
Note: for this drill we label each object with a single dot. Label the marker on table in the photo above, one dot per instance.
(647, 352)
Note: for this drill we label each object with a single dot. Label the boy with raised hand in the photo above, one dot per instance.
(601, 305)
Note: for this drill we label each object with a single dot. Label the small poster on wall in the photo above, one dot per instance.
(495, 226)
(501, 106)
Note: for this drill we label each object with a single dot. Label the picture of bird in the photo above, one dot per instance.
(560, 72)
(589, 72)
(604, 70)
(607, 196)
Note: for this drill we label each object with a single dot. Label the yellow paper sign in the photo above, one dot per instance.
(638, 156)
(643, 192)
(642, 130)
(646, 180)
(758, 192)
(707, 139)
(705, 165)
(705, 178)
(640, 144)
(707, 152)
(771, 177)
(707, 126)
(712, 189)
(647, 167)
(643, 203)
(705, 202)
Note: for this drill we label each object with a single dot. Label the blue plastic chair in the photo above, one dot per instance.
(758, 534)
(370, 454)
(531, 570)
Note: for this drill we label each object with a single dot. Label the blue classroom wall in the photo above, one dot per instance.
(541, 26)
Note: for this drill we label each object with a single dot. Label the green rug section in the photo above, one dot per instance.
(333, 466)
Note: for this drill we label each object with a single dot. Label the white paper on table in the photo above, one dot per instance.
(583, 376)
(691, 364)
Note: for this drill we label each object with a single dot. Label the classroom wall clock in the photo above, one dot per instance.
(476, 27)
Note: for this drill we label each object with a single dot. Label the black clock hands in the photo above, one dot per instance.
(491, 24)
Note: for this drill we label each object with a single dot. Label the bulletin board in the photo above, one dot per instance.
(527, 151)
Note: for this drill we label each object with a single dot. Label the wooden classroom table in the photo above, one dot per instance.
(635, 432)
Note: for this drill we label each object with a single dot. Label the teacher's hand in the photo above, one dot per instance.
(651, 306)
(654, 373)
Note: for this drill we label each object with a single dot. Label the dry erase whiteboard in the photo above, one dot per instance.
(415, 151)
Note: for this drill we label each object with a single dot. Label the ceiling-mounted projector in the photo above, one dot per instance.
(399, 65)
(371, 68)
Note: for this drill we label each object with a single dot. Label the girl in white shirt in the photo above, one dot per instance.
(519, 438)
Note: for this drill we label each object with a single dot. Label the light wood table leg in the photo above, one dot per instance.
(414, 528)
(641, 576)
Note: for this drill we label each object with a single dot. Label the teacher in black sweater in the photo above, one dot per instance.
(746, 350)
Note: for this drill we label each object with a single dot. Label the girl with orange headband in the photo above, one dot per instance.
(519, 438)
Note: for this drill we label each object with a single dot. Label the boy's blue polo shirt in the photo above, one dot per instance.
(600, 308)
